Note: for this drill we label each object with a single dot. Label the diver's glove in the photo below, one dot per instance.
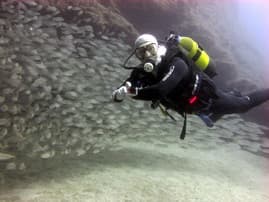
(120, 94)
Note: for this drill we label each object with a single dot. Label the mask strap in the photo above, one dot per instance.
(126, 61)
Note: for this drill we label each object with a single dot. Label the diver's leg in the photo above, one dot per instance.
(258, 97)
(229, 103)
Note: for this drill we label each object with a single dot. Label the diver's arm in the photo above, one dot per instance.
(120, 93)
(177, 71)
(132, 78)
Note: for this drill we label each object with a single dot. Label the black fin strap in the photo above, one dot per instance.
(183, 131)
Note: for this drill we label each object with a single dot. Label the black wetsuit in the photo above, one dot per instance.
(172, 84)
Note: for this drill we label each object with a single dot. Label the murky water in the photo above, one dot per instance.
(63, 139)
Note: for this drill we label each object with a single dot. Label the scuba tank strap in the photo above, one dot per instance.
(156, 104)
(183, 130)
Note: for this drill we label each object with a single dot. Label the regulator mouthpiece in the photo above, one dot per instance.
(148, 67)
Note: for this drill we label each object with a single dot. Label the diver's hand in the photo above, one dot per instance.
(119, 94)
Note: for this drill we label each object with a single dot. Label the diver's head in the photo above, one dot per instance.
(146, 47)
(148, 51)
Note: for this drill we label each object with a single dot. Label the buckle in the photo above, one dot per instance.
(193, 99)
(196, 84)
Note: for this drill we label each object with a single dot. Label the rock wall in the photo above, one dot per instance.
(56, 81)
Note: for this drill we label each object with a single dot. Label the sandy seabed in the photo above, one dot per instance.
(148, 170)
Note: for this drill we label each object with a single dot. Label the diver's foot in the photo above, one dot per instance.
(215, 117)
(206, 119)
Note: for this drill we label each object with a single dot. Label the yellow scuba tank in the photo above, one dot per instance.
(193, 51)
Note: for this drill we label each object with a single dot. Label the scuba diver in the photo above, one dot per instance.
(178, 76)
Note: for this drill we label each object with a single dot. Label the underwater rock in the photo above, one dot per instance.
(5, 122)
(4, 156)
(71, 95)
(30, 3)
(80, 152)
(22, 166)
(3, 132)
(48, 154)
(11, 166)
(265, 143)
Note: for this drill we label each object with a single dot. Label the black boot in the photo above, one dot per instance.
(258, 97)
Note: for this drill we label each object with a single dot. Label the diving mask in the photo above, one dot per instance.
(146, 52)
